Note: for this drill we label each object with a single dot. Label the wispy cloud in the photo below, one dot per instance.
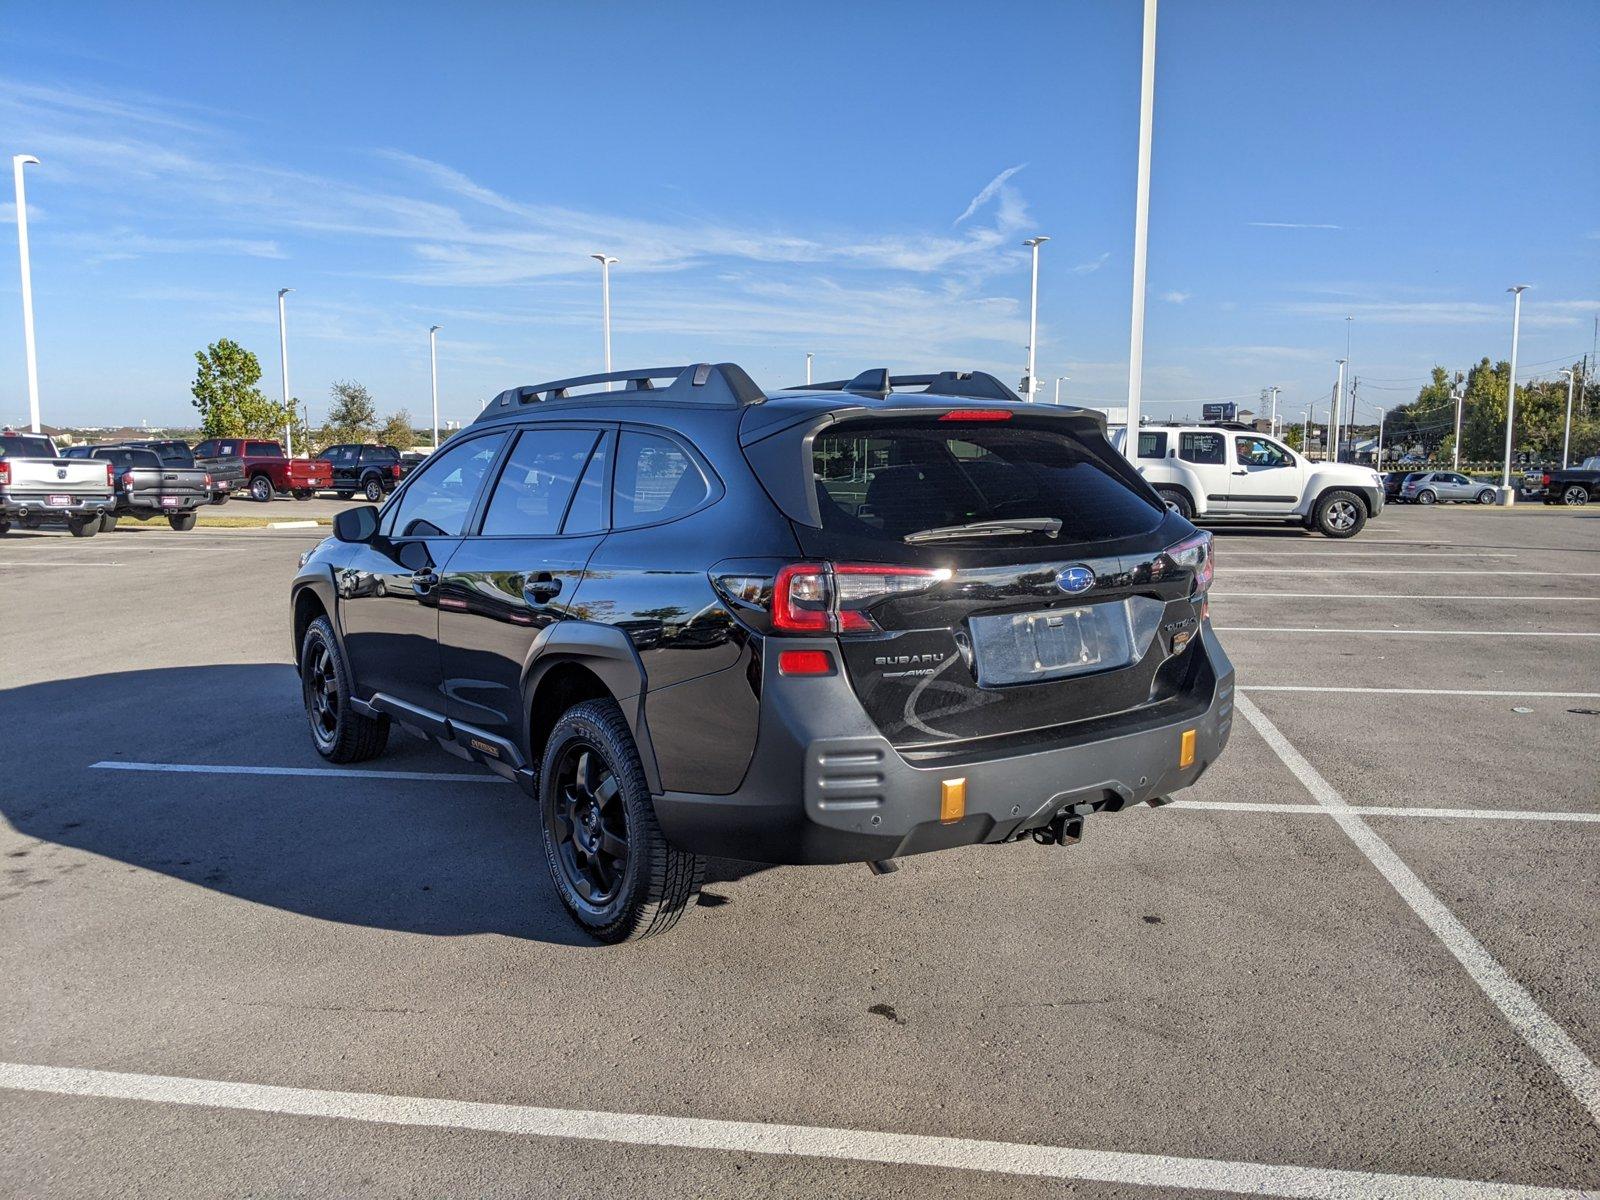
(988, 192)
(1093, 265)
(1536, 313)
(1290, 225)
(1176, 297)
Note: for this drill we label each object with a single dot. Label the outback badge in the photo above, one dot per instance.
(1073, 580)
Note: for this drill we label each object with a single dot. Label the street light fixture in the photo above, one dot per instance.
(1506, 493)
(18, 161)
(1566, 436)
(433, 371)
(1141, 217)
(605, 262)
(283, 362)
(808, 368)
(1334, 416)
(1033, 313)
(1060, 379)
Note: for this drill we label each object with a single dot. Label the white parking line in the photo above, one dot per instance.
(1571, 1065)
(1405, 691)
(318, 772)
(1406, 554)
(1499, 633)
(1527, 597)
(54, 563)
(759, 1137)
(1386, 810)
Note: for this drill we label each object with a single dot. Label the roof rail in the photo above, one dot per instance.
(696, 383)
(974, 385)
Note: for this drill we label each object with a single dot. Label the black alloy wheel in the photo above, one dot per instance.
(588, 824)
(340, 733)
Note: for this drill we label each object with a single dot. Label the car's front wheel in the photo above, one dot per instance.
(1340, 514)
(1486, 496)
(1575, 495)
(615, 872)
(340, 733)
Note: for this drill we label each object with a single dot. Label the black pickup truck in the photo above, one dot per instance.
(227, 474)
(1574, 485)
(145, 488)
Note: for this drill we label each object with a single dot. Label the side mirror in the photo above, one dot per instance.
(356, 524)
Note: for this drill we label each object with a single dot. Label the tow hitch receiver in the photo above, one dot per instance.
(1065, 830)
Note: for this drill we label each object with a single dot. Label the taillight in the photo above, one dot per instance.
(977, 414)
(111, 476)
(1198, 554)
(834, 597)
(208, 481)
(5, 474)
(127, 481)
(1546, 479)
(394, 471)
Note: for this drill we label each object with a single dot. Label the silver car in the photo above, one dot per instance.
(1432, 487)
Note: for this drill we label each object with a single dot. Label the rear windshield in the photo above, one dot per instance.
(891, 480)
(16, 445)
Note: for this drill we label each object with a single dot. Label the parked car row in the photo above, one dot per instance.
(1436, 487)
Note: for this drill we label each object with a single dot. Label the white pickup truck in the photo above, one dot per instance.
(38, 486)
(1220, 473)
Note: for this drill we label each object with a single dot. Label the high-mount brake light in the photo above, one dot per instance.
(1198, 554)
(977, 414)
(834, 597)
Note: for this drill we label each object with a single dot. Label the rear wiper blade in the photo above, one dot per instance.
(1049, 526)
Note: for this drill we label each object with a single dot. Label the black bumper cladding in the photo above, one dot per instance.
(826, 787)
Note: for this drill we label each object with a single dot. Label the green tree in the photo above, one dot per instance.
(225, 392)
(352, 417)
(397, 431)
(1293, 436)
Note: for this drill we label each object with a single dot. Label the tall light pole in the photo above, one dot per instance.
(808, 368)
(1060, 379)
(1506, 493)
(1455, 454)
(18, 161)
(433, 371)
(1274, 421)
(1566, 437)
(1033, 315)
(1305, 434)
(605, 262)
(1377, 459)
(283, 362)
(1141, 218)
(1333, 418)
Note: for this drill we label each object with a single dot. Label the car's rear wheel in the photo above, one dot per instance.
(1177, 500)
(5, 528)
(1575, 495)
(303, 493)
(372, 490)
(615, 872)
(340, 733)
(183, 522)
(1486, 496)
(108, 522)
(84, 528)
(344, 495)
(1340, 514)
(261, 489)
(1426, 497)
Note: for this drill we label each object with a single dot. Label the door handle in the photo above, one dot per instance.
(424, 581)
(1241, 472)
(542, 588)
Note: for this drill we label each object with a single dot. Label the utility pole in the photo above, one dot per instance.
(1274, 390)
(433, 371)
(1506, 494)
(18, 161)
(1033, 315)
(1141, 219)
(283, 362)
(1460, 395)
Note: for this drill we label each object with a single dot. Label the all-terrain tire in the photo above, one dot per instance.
(1339, 514)
(339, 732)
(657, 880)
(1179, 499)
(183, 522)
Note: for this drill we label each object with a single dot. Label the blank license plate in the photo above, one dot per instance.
(58, 501)
(1052, 644)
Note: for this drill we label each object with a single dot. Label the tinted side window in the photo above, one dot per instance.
(531, 496)
(1152, 444)
(656, 480)
(206, 450)
(1201, 447)
(442, 493)
(587, 512)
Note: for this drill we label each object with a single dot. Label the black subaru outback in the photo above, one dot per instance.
(844, 622)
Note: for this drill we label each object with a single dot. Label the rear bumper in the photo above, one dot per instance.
(15, 507)
(825, 787)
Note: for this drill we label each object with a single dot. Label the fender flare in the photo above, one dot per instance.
(320, 585)
(610, 655)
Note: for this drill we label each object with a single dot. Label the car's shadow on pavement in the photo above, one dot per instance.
(415, 856)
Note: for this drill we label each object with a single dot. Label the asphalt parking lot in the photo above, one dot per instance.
(1362, 957)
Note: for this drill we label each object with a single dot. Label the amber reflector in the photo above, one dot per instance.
(952, 800)
(1186, 749)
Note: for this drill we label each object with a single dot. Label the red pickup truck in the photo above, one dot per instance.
(268, 472)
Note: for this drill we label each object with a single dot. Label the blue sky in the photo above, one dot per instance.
(853, 180)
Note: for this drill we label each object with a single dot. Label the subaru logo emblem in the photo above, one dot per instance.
(1073, 580)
